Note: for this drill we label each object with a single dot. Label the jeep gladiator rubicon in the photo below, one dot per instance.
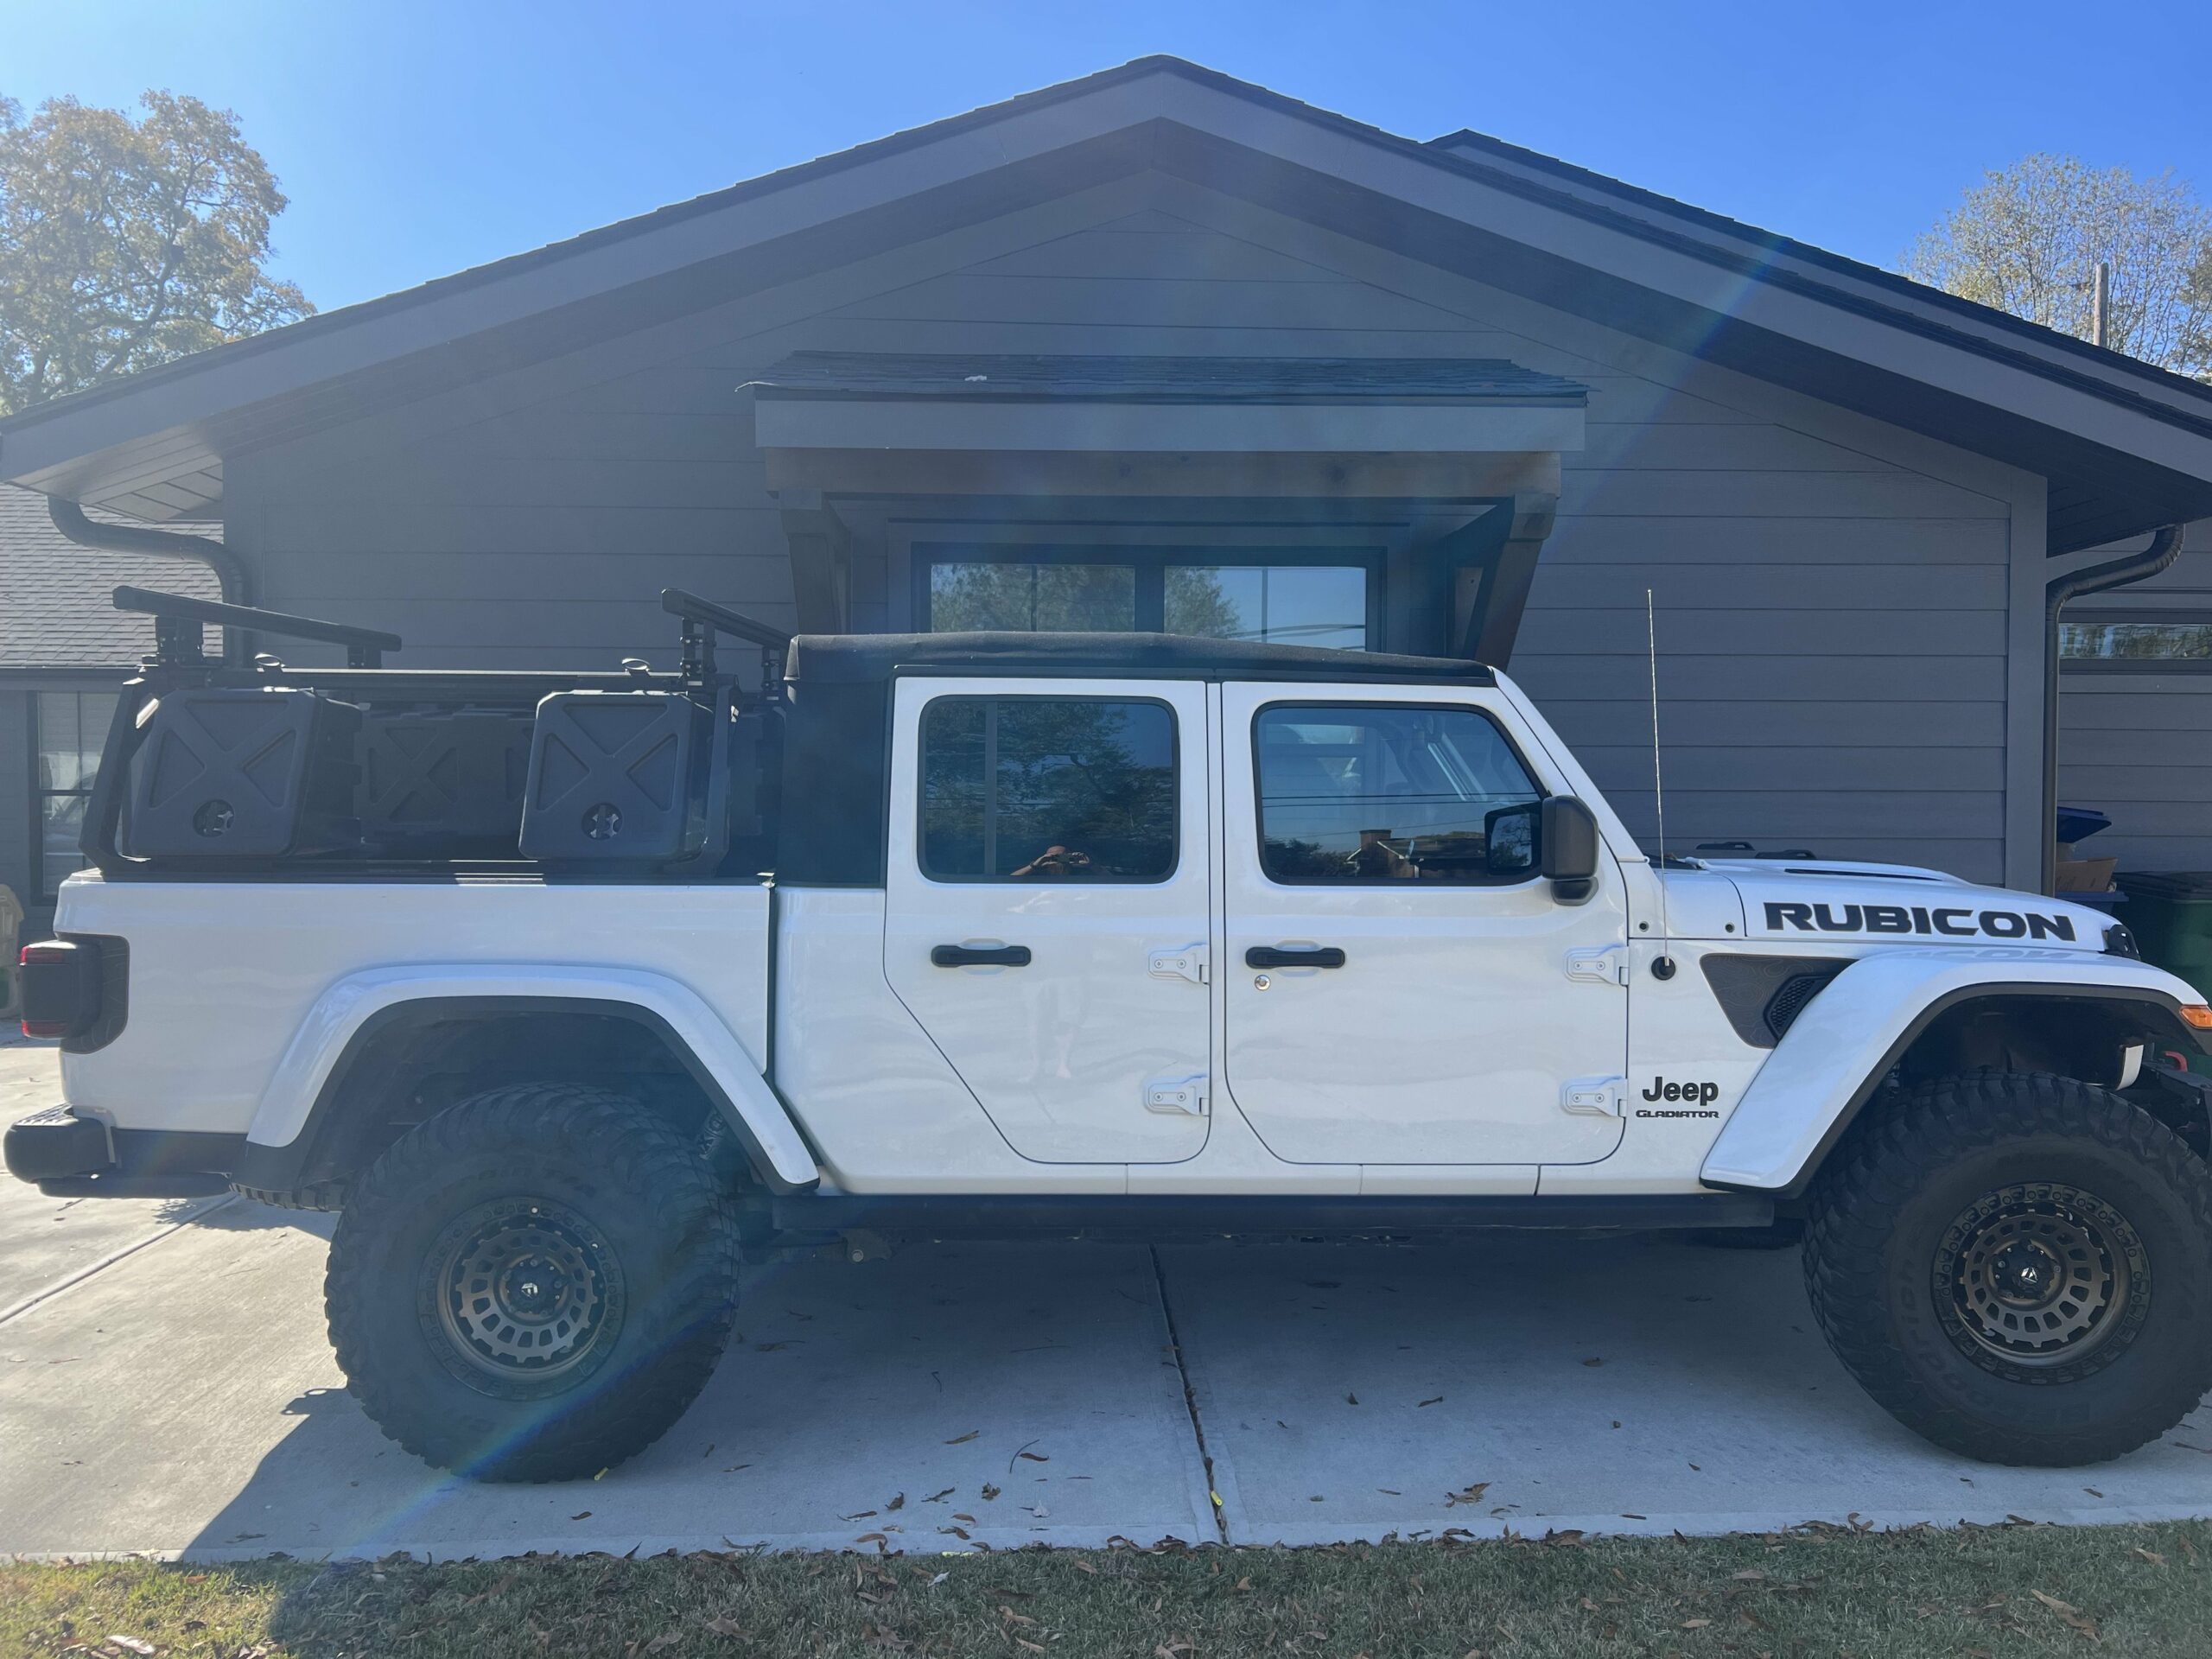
(1062, 935)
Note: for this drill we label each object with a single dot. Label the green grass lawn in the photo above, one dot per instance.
(2144, 1592)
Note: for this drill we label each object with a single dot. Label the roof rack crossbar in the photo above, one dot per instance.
(692, 608)
(364, 647)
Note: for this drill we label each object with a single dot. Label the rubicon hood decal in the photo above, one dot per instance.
(1945, 921)
(1889, 902)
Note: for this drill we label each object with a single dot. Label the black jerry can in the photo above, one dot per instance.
(444, 784)
(611, 778)
(244, 773)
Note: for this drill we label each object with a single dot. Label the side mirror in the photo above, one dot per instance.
(1570, 849)
(1511, 836)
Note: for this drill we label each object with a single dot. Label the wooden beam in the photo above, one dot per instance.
(1505, 592)
(822, 561)
(966, 472)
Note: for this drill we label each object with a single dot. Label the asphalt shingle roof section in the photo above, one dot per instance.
(54, 595)
(1165, 379)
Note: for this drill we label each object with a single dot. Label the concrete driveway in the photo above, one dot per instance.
(166, 1386)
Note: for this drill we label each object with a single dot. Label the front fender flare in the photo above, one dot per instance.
(729, 1074)
(1833, 1059)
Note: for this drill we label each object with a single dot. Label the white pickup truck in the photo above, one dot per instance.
(1063, 934)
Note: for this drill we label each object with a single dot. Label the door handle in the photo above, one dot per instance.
(1276, 955)
(977, 956)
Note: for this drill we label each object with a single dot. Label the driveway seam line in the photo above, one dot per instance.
(1189, 1398)
(113, 1256)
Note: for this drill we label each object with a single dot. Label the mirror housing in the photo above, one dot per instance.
(1569, 841)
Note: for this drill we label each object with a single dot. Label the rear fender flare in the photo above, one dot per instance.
(348, 1015)
(1833, 1056)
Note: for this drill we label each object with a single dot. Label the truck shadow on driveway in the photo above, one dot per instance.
(1010, 1395)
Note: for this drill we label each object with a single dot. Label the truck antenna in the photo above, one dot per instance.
(1663, 967)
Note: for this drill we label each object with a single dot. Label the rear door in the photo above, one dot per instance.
(1401, 985)
(1048, 903)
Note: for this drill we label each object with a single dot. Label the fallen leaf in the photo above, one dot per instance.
(1351, 1399)
(1437, 1402)
(990, 1491)
(2071, 1616)
(720, 1627)
(581, 1515)
(935, 1497)
(1471, 1494)
(898, 1503)
(1033, 1457)
(2152, 1556)
(1695, 1624)
(666, 1639)
(962, 1439)
(1593, 1362)
(134, 1644)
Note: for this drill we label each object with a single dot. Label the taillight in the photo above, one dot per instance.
(61, 987)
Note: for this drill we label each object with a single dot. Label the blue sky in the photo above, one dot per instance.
(416, 139)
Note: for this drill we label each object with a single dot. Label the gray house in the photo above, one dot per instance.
(62, 649)
(1161, 349)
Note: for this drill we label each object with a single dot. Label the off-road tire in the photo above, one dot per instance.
(1885, 1214)
(327, 1196)
(648, 1232)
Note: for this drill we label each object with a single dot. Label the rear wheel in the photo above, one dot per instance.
(2018, 1267)
(533, 1285)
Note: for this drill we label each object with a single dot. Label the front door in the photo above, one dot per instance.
(1397, 973)
(1047, 907)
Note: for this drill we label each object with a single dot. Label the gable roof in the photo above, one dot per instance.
(2125, 445)
(54, 608)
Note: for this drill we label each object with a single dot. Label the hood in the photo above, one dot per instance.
(1806, 899)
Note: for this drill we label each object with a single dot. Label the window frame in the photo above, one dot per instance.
(988, 879)
(2197, 616)
(43, 891)
(1150, 565)
(1260, 799)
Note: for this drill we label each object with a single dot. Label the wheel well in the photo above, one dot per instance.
(410, 1063)
(2085, 1038)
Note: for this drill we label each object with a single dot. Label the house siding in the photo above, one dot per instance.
(1832, 597)
(2139, 745)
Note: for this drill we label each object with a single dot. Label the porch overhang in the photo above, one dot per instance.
(1447, 442)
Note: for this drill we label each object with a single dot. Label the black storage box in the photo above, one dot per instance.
(611, 778)
(444, 784)
(244, 773)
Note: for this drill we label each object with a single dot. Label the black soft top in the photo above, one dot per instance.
(873, 658)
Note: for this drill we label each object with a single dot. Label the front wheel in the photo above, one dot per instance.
(533, 1285)
(2018, 1267)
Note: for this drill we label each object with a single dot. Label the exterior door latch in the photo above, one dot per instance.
(1594, 1096)
(1605, 967)
(1178, 962)
(1176, 1096)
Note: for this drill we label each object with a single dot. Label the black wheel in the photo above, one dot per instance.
(533, 1285)
(2017, 1267)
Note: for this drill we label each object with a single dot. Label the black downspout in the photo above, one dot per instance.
(71, 520)
(2165, 549)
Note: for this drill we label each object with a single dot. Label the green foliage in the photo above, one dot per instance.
(2028, 240)
(124, 244)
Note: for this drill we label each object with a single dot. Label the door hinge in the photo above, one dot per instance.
(1177, 1097)
(1594, 1096)
(1178, 962)
(1605, 967)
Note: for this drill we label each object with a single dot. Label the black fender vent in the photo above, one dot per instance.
(1764, 995)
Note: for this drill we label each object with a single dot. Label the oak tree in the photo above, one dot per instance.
(125, 243)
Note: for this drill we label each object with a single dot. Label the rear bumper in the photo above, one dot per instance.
(81, 1157)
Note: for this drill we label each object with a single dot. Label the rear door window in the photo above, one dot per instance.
(1048, 789)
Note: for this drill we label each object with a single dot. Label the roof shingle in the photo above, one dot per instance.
(54, 608)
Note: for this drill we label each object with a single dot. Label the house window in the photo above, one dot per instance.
(1300, 602)
(72, 726)
(2137, 642)
(1392, 792)
(1047, 789)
